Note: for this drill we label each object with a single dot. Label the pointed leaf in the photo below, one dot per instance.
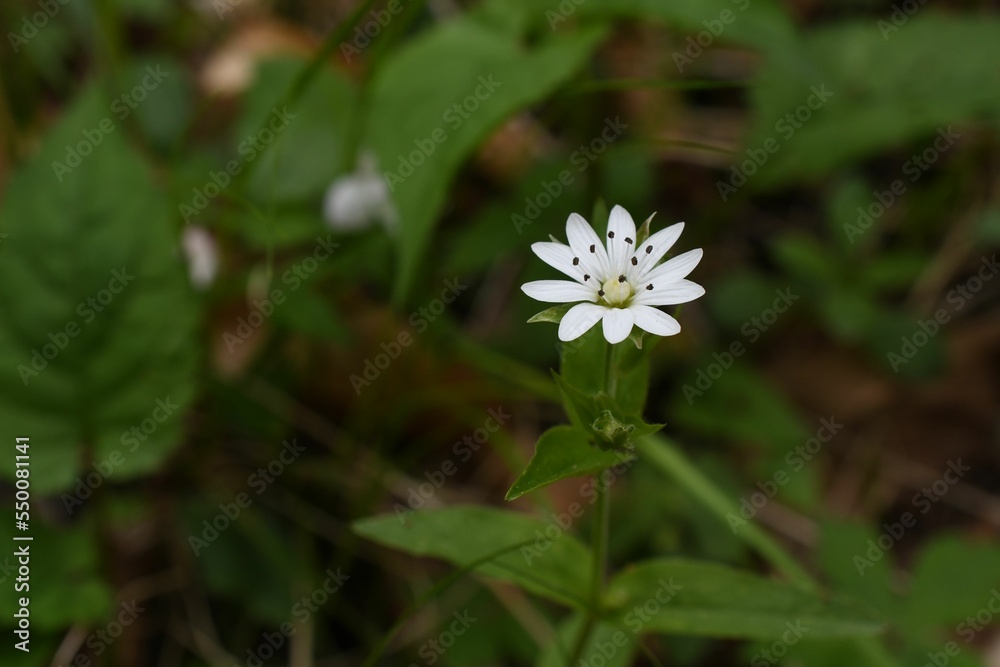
(561, 452)
(542, 559)
(679, 596)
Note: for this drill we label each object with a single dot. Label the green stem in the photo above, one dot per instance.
(601, 531)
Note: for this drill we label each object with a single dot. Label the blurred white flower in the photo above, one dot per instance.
(202, 255)
(620, 285)
(358, 199)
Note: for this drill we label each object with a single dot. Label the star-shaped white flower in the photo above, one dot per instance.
(620, 286)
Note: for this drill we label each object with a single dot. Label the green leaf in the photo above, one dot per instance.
(98, 317)
(309, 313)
(435, 79)
(307, 153)
(561, 452)
(543, 558)
(693, 598)
(553, 314)
(882, 109)
(952, 579)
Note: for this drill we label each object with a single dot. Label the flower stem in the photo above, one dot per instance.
(600, 539)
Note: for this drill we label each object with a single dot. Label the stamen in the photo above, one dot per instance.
(635, 262)
(649, 249)
(586, 277)
(649, 286)
(621, 279)
(611, 235)
(591, 248)
(600, 292)
(628, 240)
(576, 260)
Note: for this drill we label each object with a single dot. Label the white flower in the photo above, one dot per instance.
(621, 285)
(356, 200)
(202, 255)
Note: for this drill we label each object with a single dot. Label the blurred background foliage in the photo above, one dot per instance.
(691, 97)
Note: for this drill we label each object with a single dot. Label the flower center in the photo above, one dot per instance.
(616, 291)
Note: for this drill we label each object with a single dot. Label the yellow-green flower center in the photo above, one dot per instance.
(616, 291)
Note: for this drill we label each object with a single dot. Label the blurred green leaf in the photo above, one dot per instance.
(907, 93)
(300, 160)
(543, 559)
(307, 312)
(561, 452)
(694, 598)
(98, 332)
(456, 83)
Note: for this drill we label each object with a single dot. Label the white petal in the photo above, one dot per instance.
(673, 269)
(579, 319)
(621, 227)
(558, 291)
(202, 255)
(654, 321)
(559, 256)
(582, 238)
(617, 324)
(658, 244)
(670, 294)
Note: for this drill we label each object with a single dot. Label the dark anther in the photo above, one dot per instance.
(591, 248)
(611, 235)
(600, 292)
(649, 286)
(649, 249)
(635, 262)
(628, 240)
(586, 277)
(621, 279)
(576, 260)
